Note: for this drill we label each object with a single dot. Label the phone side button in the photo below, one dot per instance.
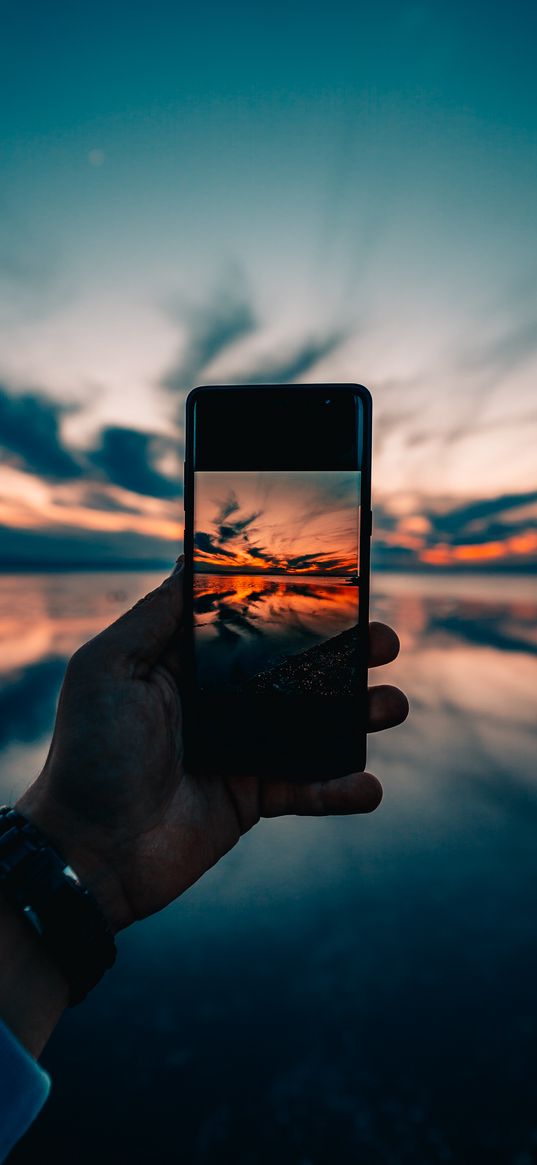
(370, 522)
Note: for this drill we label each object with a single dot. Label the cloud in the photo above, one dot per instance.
(324, 563)
(31, 439)
(285, 367)
(92, 497)
(212, 328)
(498, 533)
(265, 530)
(30, 435)
(100, 499)
(229, 506)
(54, 547)
(456, 524)
(209, 545)
(228, 317)
(233, 529)
(225, 531)
(126, 457)
(398, 421)
(502, 354)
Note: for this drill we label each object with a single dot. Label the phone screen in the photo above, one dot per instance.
(275, 488)
(276, 580)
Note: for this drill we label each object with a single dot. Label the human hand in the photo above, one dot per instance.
(113, 794)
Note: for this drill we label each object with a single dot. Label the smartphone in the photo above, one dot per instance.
(277, 544)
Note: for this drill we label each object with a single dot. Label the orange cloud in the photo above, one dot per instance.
(240, 560)
(28, 503)
(517, 545)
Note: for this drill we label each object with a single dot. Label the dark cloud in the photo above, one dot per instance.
(229, 506)
(63, 546)
(323, 562)
(228, 317)
(94, 498)
(126, 457)
(212, 328)
(302, 560)
(243, 549)
(227, 531)
(210, 545)
(386, 556)
(455, 523)
(234, 529)
(495, 532)
(260, 552)
(101, 499)
(31, 439)
(30, 436)
(475, 523)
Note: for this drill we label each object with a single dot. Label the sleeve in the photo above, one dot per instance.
(24, 1088)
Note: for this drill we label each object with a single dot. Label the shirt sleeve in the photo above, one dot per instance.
(24, 1088)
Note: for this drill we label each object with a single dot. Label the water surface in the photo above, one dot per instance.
(245, 624)
(354, 990)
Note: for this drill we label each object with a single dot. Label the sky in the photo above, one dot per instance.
(278, 192)
(275, 522)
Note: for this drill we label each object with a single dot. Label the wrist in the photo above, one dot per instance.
(33, 991)
(38, 883)
(77, 844)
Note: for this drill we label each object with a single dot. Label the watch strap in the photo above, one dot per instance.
(37, 882)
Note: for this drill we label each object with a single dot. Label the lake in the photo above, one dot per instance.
(250, 623)
(354, 990)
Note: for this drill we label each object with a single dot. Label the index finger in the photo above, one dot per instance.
(356, 793)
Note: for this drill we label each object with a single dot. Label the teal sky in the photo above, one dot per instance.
(351, 188)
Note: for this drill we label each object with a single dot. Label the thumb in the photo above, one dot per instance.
(144, 632)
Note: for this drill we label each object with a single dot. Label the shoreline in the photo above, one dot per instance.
(327, 669)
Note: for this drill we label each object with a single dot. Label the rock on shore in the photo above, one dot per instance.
(328, 669)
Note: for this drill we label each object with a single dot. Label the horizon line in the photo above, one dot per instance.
(46, 566)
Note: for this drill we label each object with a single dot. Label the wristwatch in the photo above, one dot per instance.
(43, 888)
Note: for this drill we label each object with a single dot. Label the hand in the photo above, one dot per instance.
(113, 794)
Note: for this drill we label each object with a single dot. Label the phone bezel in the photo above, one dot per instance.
(266, 706)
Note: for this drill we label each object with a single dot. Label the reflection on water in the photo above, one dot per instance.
(250, 623)
(351, 990)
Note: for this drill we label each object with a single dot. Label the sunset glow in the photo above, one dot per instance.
(520, 545)
(302, 523)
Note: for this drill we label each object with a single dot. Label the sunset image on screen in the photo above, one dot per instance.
(276, 560)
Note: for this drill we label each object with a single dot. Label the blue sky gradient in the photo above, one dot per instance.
(298, 191)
